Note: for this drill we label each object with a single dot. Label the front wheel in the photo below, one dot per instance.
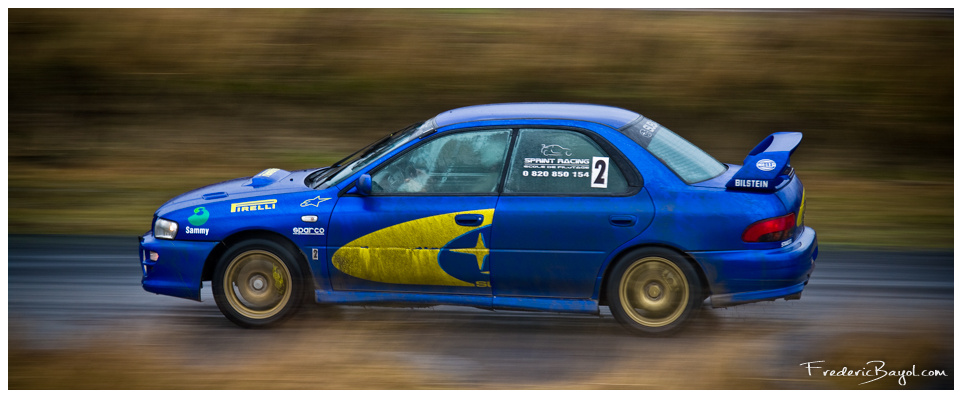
(258, 283)
(653, 292)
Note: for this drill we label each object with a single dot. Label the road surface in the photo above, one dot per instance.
(78, 319)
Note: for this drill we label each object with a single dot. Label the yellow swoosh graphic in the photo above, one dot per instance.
(406, 253)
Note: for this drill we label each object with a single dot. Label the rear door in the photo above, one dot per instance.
(569, 200)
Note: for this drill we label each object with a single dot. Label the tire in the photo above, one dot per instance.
(258, 283)
(653, 292)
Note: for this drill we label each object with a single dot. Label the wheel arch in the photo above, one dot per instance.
(702, 279)
(211, 262)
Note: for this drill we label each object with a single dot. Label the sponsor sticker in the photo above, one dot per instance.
(256, 205)
(599, 172)
(267, 173)
(196, 231)
(648, 129)
(751, 183)
(554, 150)
(199, 218)
(553, 160)
(308, 231)
(316, 202)
(765, 165)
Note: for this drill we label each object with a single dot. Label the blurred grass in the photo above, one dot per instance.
(112, 112)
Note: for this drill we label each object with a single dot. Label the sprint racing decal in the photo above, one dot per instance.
(554, 150)
(556, 164)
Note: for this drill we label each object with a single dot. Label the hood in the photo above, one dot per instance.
(267, 181)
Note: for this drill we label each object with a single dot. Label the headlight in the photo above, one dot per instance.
(165, 229)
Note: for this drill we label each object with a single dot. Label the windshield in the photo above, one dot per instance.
(684, 158)
(344, 168)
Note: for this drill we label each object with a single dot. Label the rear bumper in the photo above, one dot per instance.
(745, 276)
(179, 266)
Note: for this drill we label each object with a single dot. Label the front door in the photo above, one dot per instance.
(426, 227)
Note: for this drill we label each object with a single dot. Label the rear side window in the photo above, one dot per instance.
(684, 158)
(552, 161)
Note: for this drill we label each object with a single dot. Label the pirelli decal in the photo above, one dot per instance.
(257, 205)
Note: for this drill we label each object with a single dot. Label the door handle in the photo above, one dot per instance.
(622, 220)
(469, 220)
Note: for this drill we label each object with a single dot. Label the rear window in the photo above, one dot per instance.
(688, 161)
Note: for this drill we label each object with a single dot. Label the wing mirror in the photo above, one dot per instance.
(364, 185)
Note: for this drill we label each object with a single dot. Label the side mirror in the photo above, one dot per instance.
(364, 185)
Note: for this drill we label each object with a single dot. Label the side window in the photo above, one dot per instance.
(468, 162)
(548, 161)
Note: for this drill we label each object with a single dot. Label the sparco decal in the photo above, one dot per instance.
(308, 231)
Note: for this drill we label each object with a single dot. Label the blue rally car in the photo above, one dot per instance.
(531, 206)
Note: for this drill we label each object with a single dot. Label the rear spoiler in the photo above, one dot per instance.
(766, 167)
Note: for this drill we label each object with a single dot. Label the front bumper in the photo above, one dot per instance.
(745, 276)
(178, 268)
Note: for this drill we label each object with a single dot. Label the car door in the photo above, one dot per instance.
(426, 226)
(569, 200)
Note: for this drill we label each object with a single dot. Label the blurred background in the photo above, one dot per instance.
(113, 112)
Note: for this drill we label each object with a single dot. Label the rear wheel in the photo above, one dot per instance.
(653, 291)
(258, 283)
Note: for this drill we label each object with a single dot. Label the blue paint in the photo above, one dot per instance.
(586, 306)
(766, 166)
(548, 252)
(605, 115)
(177, 271)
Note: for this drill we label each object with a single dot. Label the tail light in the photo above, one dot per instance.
(771, 230)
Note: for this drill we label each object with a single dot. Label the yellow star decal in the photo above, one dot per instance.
(478, 251)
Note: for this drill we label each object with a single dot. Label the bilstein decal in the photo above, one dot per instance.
(267, 204)
(409, 252)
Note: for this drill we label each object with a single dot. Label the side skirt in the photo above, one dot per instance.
(582, 306)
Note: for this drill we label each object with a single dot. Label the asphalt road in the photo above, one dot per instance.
(76, 312)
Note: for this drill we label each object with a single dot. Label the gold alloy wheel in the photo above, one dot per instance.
(654, 292)
(257, 284)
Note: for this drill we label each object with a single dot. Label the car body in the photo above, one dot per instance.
(528, 206)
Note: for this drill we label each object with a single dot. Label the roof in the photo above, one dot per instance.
(601, 114)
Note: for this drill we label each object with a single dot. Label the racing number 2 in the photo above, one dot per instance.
(599, 172)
